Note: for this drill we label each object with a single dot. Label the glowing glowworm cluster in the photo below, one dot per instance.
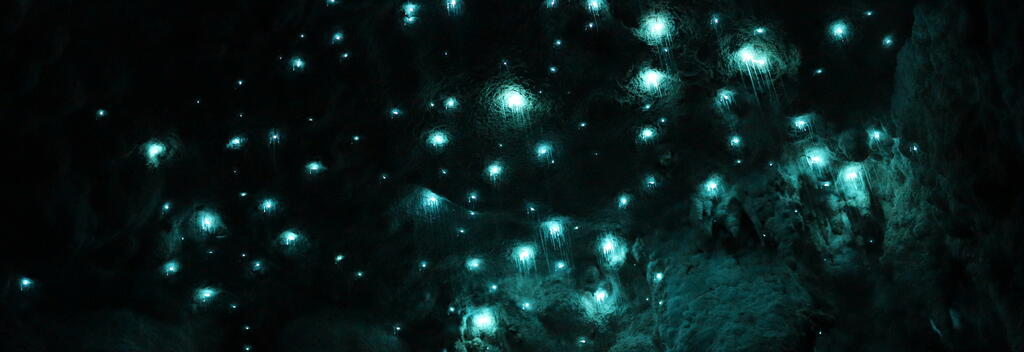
(612, 250)
(712, 187)
(482, 321)
(756, 61)
(839, 30)
(297, 64)
(437, 139)
(409, 10)
(494, 171)
(205, 294)
(155, 152)
(235, 143)
(208, 221)
(650, 82)
(656, 28)
(315, 168)
(524, 256)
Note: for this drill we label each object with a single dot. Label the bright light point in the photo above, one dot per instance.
(483, 322)
(474, 264)
(297, 64)
(315, 167)
(839, 30)
(288, 238)
(658, 277)
(715, 20)
(337, 37)
(523, 255)
(423, 264)
(801, 123)
(612, 250)
(170, 268)
(543, 151)
(647, 134)
(817, 157)
(236, 142)
(623, 201)
(273, 137)
(750, 56)
(437, 139)
(553, 228)
(819, 71)
(650, 80)
(154, 151)
(452, 6)
(430, 201)
(734, 141)
(208, 221)
(553, 69)
(101, 113)
(760, 30)
(205, 294)
(395, 112)
(450, 103)
(713, 186)
(656, 28)
(887, 41)
(338, 258)
(724, 98)
(494, 170)
(595, 6)
(559, 265)
(514, 100)
(600, 295)
(558, 42)
(409, 9)
(268, 205)
(25, 284)
(875, 135)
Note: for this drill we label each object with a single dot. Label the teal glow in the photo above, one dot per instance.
(430, 201)
(802, 123)
(288, 238)
(205, 294)
(724, 99)
(482, 321)
(656, 28)
(523, 255)
(170, 268)
(623, 200)
(236, 142)
(337, 37)
(154, 151)
(712, 187)
(273, 137)
(25, 284)
(494, 170)
(650, 80)
(454, 7)
(735, 141)
(612, 250)
(297, 64)
(409, 9)
(338, 258)
(817, 157)
(595, 6)
(839, 30)
(474, 264)
(437, 139)
(315, 167)
(553, 228)
(101, 113)
(513, 100)
(208, 221)
(647, 133)
(450, 103)
(268, 205)
(888, 41)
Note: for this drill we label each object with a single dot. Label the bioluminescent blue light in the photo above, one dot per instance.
(650, 80)
(612, 250)
(332, 2)
(297, 64)
(760, 30)
(430, 201)
(273, 137)
(650, 182)
(100, 113)
(154, 152)
(647, 134)
(268, 205)
(524, 257)
(802, 123)
(315, 167)
(513, 100)
(735, 141)
(482, 321)
(236, 143)
(288, 238)
(337, 37)
(724, 99)
(715, 20)
(474, 264)
(450, 103)
(600, 295)
(256, 266)
(839, 30)
(437, 139)
(712, 187)
(208, 221)
(875, 136)
(494, 170)
(595, 6)
(657, 277)
(409, 10)
(453, 6)
(25, 284)
(166, 207)
(170, 268)
(656, 28)
(888, 41)
(817, 157)
(205, 294)
(543, 151)
(623, 200)
(338, 258)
